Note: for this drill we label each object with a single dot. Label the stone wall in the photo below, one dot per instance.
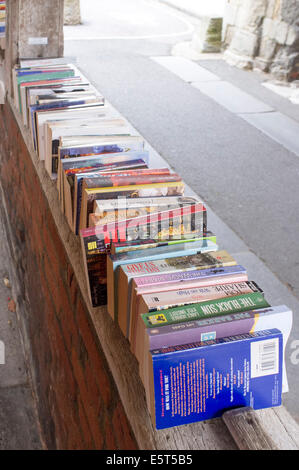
(263, 35)
(72, 14)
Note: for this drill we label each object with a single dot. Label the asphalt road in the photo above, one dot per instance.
(248, 179)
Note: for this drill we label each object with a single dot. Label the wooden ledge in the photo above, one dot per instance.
(214, 434)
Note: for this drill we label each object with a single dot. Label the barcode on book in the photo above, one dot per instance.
(264, 357)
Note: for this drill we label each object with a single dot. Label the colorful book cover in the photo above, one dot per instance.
(168, 265)
(174, 223)
(144, 190)
(73, 176)
(135, 144)
(134, 177)
(95, 160)
(213, 260)
(34, 77)
(49, 106)
(202, 380)
(95, 265)
(135, 245)
(164, 300)
(106, 167)
(121, 209)
(181, 276)
(89, 186)
(239, 303)
(157, 301)
(121, 304)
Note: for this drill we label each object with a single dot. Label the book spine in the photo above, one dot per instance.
(156, 217)
(211, 328)
(107, 181)
(96, 265)
(165, 300)
(126, 178)
(183, 263)
(189, 275)
(216, 307)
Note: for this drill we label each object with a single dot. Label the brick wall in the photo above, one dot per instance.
(78, 403)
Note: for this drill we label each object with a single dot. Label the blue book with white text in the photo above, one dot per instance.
(200, 381)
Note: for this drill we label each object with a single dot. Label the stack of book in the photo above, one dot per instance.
(204, 335)
(2, 18)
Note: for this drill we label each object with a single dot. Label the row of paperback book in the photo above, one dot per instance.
(2, 18)
(204, 335)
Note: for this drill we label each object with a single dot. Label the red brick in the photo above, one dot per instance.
(90, 403)
(110, 443)
(88, 440)
(96, 356)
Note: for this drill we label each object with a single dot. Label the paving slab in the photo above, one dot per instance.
(278, 126)
(232, 98)
(19, 428)
(185, 69)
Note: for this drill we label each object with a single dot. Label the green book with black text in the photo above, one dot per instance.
(211, 308)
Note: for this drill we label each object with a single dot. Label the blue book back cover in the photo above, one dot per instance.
(203, 380)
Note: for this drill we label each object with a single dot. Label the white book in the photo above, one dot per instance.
(73, 113)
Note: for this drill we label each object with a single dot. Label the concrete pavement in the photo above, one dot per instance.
(18, 420)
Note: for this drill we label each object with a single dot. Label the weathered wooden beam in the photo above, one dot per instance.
(270, 429)
(41, 28)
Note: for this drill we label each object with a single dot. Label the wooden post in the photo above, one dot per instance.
(33, 30)
(268, 429)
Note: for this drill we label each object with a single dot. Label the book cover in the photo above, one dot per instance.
(121, 307)
(174, 223)
(95, 265)
(168, 265)
(94, 160)
(239, 303)
(202, 380)
(33, 77)
(71, 177)
(142, 204)
(144, 190)
(149, 303)
(122, 209)
(78, 187)
(280, 317)
(163, 300)
(188, 276)
(118, 247)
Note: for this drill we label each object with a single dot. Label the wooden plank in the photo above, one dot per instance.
(269, 429)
